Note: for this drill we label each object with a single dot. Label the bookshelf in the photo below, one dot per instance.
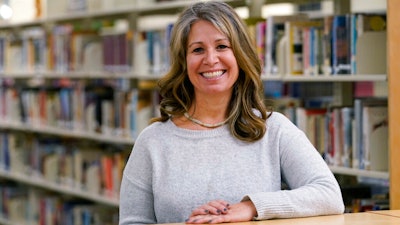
(87, 187)
(385, 177)
(133, 77)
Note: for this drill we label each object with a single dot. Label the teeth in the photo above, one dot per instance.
(213, 74)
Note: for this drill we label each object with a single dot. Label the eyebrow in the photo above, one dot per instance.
(200, 42)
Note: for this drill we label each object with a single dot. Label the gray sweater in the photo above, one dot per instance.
(172, 170)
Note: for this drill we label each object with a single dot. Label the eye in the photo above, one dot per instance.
(221, 47)
(198, 50)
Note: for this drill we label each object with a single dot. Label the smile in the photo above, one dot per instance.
(213, 74)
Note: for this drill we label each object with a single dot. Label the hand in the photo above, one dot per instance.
(215, 207)
(214, 212)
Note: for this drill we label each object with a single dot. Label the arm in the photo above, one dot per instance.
(313, 188)
(136, 197)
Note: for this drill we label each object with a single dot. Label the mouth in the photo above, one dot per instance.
(213, 74)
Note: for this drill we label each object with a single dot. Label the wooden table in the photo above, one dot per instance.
(366, 218)
(383, 217)
(395, 213)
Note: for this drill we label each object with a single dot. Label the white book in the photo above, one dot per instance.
(375, 136)
(50, 167)
(371, 53)
(107, 112)
(93, 180)
(347, 129)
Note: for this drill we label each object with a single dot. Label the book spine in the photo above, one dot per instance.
(341, 45)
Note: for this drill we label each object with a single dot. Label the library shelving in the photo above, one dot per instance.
(123, 80)
(62, 167)
(341, 84)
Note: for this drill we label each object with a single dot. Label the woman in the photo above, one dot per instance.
(216, 155)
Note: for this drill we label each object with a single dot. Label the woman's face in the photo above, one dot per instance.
(212, 66)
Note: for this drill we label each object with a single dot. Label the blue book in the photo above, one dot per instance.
(341, 44)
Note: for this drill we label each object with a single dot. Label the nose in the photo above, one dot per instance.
(211, 57)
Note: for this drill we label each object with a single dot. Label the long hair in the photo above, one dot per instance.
(246, 109)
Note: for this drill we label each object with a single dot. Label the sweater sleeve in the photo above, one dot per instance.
(313, 190)
(136, 185)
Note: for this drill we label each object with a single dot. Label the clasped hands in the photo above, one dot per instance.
(220, 211)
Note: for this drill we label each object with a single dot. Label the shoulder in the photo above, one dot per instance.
(277, 119)
(154, 130)
(279, 126)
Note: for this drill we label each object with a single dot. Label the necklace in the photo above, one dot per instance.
(205, 124)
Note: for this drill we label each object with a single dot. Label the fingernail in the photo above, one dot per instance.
(209, 221)
(225, 209)
(206, 211)
(218, 211)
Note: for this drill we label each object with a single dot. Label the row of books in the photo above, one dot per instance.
(93, 169)
(103, 46)
(94, 107)
(22, 205)
(339, 44)
(350, 136)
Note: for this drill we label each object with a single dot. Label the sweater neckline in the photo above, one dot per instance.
(218, 131)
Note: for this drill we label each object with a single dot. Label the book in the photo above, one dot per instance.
(87, 169)
(17, 146)
(327, 45)
(275, 31)
(375, 138)
(117, 43)
(86, 51)
(260, 33)
(347, 138)
(60, 48)
(341, 59)
(294, 31)
(359, 126)
(34, 49)
(14, 54)
(371, 53)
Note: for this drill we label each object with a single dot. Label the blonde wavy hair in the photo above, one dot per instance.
(247, 110)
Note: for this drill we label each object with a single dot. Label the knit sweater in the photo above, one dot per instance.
(172, 170)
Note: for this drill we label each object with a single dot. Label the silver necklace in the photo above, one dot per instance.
(205, 124)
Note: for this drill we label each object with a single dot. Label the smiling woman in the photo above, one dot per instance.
(216, 154)
(209, 83)
(212, 68)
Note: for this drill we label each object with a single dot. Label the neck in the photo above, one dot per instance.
(209, 111)
(208, 114)
(203, 124)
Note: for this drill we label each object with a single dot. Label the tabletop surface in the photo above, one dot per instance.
(383, 217)
(395, 213)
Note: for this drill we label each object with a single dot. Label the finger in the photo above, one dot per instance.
(202, 210)
(210, 219)
(220, 219)
(200, 219)
(220, 207)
